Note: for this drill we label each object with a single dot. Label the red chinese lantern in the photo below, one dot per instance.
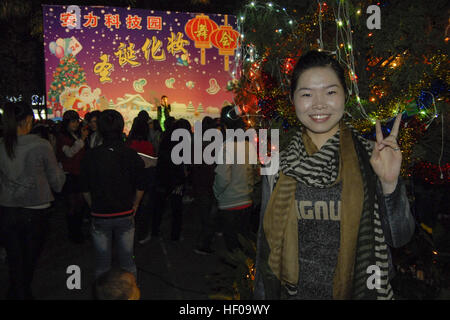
(199, 30)
(226, 40)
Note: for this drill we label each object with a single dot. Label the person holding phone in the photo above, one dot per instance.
(70, 150)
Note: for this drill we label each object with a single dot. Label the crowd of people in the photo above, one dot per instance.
(328, 217)
(121, 184)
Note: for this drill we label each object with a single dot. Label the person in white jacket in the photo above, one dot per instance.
(235, 177)
(28, 174)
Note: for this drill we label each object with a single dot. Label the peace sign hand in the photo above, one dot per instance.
(386, 157)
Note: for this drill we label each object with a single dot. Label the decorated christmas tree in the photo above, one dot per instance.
(399, 67)
(190, 107)
(236, 280)
(200, 108)
(68, 74)
(396, 58)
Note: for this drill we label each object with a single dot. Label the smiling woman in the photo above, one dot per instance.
(303, 252)
(319, 103)
(318, 92)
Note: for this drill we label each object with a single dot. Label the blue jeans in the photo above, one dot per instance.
(103, 231)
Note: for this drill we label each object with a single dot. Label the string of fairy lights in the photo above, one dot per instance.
(345, 55)
(247, 53)
(344, 33)
(344, 49)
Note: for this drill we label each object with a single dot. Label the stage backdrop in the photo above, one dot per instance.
(99, 58)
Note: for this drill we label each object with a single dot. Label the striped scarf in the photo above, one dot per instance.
(321, 169)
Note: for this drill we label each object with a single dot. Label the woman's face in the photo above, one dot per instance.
(73, 125)
(319, 100)
(93, 124)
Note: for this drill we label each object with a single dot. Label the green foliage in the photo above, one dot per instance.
(236, 282)
(271, 32)
(285, 135)
(411, 35)
(413, 31)
(20, 52)
(422, 266)
(429, 147)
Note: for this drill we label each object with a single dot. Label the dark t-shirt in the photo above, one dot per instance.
(319, 237)
(111, 173)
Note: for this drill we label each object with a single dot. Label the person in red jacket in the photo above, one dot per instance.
(70, 150)
(138, 140)
(138, 137)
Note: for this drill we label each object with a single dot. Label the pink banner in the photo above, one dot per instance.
(101, 58)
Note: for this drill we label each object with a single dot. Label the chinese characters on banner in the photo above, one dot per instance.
(125, 59)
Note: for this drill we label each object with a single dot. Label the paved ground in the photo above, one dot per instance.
(166, 270)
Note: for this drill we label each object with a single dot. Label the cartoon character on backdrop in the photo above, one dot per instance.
(81, 99)
(56, 107)
(67, 97)
(86, 100)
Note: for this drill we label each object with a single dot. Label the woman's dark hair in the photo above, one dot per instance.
(93, 114)
(110, 124)
(139, 129)
(313, 59)
(13, 116)
(144, 115)
(230, 118)
(42, 130)
(156, 125)
(208, 123)
(68, 116)
(168, 123)
(182, 124)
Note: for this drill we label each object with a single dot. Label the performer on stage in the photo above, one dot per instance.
(163, 111)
